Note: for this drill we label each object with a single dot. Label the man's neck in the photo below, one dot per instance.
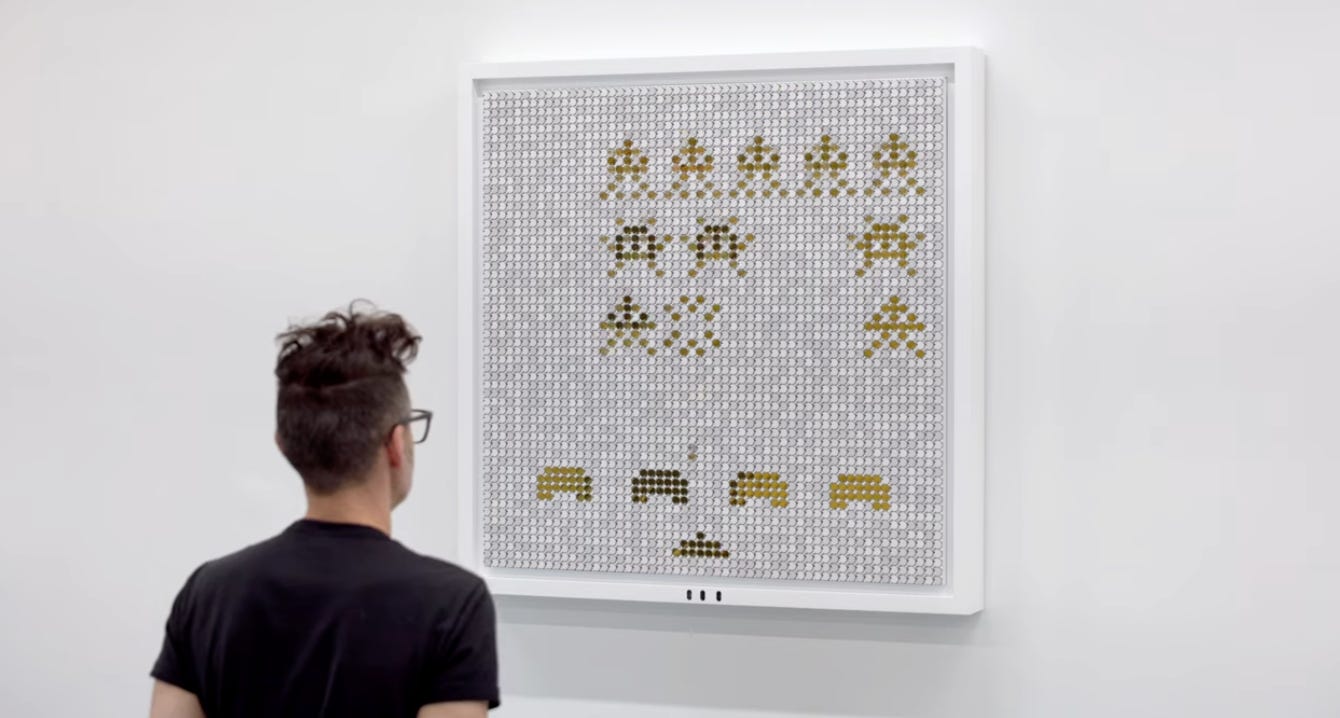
(355, 505)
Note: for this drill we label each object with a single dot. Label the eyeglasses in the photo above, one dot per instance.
(419, 422)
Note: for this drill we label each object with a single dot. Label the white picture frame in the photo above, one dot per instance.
(963, 591)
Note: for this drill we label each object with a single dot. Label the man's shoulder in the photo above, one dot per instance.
(442, 572)
(226, 567)
(387, 564)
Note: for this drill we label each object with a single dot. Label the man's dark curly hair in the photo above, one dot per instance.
(341, 391)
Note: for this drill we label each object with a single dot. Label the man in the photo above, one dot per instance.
(333, 618)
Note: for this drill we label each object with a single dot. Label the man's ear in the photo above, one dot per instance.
(395, 446)
(279, 442)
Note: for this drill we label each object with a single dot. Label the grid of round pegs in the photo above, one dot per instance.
(548, 398)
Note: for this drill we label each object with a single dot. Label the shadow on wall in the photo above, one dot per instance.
(728, 657)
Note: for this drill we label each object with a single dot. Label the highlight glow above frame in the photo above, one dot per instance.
(963, 592)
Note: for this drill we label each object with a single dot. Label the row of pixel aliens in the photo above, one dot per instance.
(689, 331)
(719, 241)
(746, 485)
(759, 166)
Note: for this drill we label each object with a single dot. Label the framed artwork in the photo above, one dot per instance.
(729, 329)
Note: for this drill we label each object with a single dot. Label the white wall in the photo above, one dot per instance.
(177, 178)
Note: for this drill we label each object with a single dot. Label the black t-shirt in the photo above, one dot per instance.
(330, 620)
